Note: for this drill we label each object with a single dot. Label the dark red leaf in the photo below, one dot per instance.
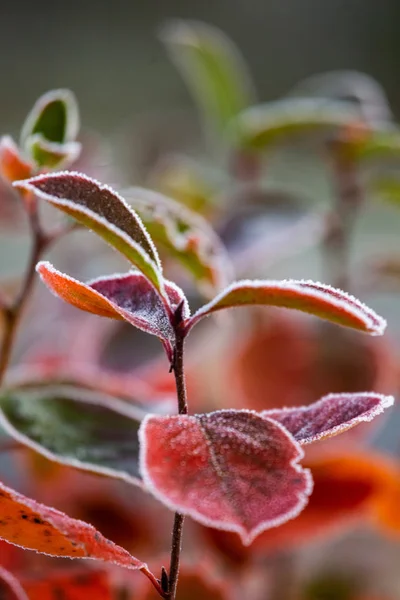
(317, 299)
(330, 416)
(233, 470)
(128, 297)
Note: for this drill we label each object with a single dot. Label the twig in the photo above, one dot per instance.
(177, 531)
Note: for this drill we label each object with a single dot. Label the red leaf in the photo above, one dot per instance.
(329, 416)
(128, 297)
(10, 588)
(34, 526)
(346, 489)
(315, 298)
(240, 471)
(79, 585)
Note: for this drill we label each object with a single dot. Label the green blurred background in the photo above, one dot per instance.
(109, 54)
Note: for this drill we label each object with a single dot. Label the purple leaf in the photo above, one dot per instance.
(330, 416)
(129, 297)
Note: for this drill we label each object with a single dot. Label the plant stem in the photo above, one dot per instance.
(177, 531)
(349, 197)
(13, 313)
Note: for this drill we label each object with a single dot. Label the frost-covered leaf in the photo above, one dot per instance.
(317, 299)
(28, 524)
(126, 297)
(55, 116)
(10, 588)
(347, 488)
(12, 165)
(330, 416)
(213, 69)
(185, 235)
(101, 209)
(260, 127)
(239, 473)
(51, 154)
(76, 427)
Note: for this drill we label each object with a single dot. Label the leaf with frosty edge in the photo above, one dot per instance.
(10, 588)
(86, 430)
(33, 526)
(50, 154)
(101, 209)
(185, 235)
(212, 67)
(233, 470)
(333, 414)
(55, 116)
(12, 165)
(126, 297)
(260, 127)
(311, 297)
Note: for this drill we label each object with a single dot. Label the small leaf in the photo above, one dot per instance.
(75, 427)
(240, 471)
(213, 69)
(317, 299)
(330, 416)
(12, 165)
(28, 524)
(10, 588)
(126, 297)
(101, 209)
(185, 235)
(51, 154)
(77, 584)
(55, 116)
(260, 127)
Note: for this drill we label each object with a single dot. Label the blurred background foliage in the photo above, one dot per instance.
(136, 109)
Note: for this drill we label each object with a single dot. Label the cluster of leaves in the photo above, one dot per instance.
(234, 470)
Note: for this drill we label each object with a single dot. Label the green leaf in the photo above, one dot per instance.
(262, 126)
(51, 154)
(101, 209)
(55, 116)
(185, 235)
(213, 69)
(86, 430)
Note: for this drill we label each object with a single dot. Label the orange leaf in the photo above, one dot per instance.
(34, 526)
